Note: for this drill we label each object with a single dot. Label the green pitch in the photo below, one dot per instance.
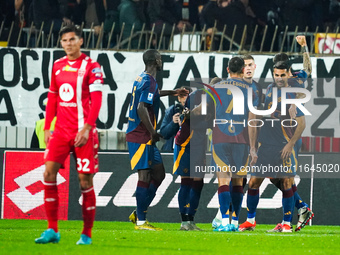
(17, 237)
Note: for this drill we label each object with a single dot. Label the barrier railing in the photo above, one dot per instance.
(255, 40)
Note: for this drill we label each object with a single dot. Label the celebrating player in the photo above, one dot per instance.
(141, 136)
(297, 79)
(248, 74)
(75, 95)
(277, 150)
(231, 142)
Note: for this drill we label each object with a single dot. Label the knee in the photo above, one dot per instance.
(223, 182)
(287, 183)
(51, 171)
(85, 182)
(144, 176)
(254, 184)
(50, 176)
(237, 181)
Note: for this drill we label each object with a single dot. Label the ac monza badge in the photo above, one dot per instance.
(81, 72)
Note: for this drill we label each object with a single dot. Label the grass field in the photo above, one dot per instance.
(17, 237)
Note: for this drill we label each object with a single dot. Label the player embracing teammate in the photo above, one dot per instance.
(279, 146)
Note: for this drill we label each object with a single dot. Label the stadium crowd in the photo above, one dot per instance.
(187, 15)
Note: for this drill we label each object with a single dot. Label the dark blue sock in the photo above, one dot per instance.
(236, 198)
(184, 195)
(288, 204)
(195, 194)
(224, 200)
(152, 191)
(141, 197)
(252, 202)
(298, 201)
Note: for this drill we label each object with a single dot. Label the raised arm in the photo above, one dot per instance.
(307, 64)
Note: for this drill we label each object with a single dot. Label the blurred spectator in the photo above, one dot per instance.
(111, 15)
(209, 14)
(334, 11)
(94, 14)
(167, 13)
(24, 9)
(201, 4)
(7, 12)
(299, 13)
(75, 11)
(131, 12)
(229, 13)
(189, 13)
(49, 11)
(266, 14)
(164, 12)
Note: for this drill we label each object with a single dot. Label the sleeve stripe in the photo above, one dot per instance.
(55, 92)
(96, 87)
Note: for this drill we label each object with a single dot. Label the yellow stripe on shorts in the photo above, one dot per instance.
(181, 152)
(219, 161)
(136, 157)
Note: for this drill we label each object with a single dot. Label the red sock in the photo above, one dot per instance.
(89, 210)
(51, 204)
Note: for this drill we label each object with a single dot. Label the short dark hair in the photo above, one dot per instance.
(69, 29)
(149, 57)
(248, 57)
(282, 65)
(236, 65)
(280, 57)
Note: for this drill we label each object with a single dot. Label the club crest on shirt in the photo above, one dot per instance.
(81, 72)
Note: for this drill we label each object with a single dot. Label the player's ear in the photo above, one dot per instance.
(81, 41)
(228, 70)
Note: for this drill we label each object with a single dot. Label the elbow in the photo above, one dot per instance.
(140, 108)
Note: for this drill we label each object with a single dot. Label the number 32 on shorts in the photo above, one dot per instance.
(83, 165)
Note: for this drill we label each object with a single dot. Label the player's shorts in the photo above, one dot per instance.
(60, 146)
(143, 156)
(270, 164)
(189, 160)
(230, 157)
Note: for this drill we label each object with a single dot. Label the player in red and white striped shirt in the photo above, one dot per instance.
(75, 97)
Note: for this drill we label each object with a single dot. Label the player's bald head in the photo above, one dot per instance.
(150, 57)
